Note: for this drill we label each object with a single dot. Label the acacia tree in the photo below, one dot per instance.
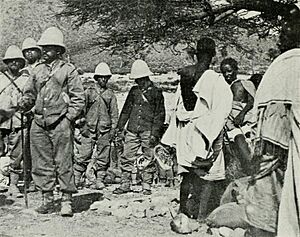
(135, 24)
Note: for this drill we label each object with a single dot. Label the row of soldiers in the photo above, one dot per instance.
(100, 125)
(42, 103)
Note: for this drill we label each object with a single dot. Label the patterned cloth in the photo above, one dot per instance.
(279, 91)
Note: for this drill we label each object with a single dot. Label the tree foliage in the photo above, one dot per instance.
(124, 30)
(135, 24)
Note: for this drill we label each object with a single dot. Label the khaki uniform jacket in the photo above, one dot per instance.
(102, 115)
(9, 97)
(143, 111)
(56, 91)
(29, 68)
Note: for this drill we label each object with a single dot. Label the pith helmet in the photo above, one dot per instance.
(52, 36)
(30, 43)
(13, 52)
(139, 69)
(102, 69)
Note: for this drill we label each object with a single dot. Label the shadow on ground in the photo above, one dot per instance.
(83, 202)
(4, 201)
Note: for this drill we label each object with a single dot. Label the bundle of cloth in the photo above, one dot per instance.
(268, 202)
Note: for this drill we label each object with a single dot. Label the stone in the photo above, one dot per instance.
(139, 208)
(214, 232)
(238, 232)
(183, 225)
(155, 211)
(225, 231)
(139, 213)
(45, 219)
(18, 207)
(173, 212)
(31, 212)
(105, 212)
(104, 204)
(116, 204)
(164, 211)
(159, 201)
(123, 213)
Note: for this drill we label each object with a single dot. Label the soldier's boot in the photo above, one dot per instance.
(134, 179)
(90, 176)
(147, 180)
(125, 184)
(77, 177)
(100, 180)
(66, 205)
(170, 178)
(31, 187)
(146, 189)
(13, 190)
(47, 206)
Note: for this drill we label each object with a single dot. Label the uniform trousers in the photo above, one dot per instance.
(136, 144)
(52, 156)
(13, 142)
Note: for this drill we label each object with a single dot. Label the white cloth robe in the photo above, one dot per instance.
(213, 105)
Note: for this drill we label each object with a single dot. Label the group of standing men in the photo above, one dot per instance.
(50, 89)
(49, 93)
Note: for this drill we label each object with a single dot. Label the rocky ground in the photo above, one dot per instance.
(96, 214)
(102, 213)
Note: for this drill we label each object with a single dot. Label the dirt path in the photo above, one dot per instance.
(17, 221)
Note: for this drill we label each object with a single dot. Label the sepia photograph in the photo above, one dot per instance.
(143, 118)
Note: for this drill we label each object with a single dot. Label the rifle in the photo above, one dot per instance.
(9, 114)
(24, 161)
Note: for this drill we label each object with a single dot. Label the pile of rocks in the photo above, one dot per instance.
(227, 232)
(133, 207)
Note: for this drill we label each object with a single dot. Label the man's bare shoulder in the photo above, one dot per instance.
(187, 71)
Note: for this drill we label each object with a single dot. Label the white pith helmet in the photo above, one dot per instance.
(102, 69)
(52, 36)
(13, 52)
(139, 69)
(30, 43)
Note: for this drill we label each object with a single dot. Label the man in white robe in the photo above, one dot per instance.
(203, 103)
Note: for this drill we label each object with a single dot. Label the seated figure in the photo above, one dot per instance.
(241, 119)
